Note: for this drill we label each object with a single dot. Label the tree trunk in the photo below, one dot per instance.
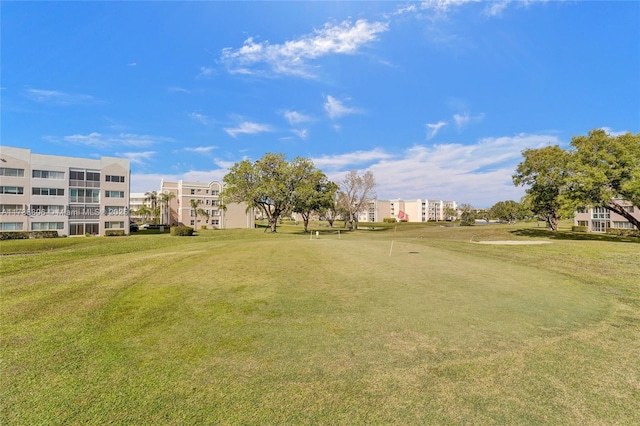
(273, 223)
(552, 221)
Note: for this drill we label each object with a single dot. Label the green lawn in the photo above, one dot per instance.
(417, 325)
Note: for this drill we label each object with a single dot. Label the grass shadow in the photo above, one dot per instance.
(575, 236)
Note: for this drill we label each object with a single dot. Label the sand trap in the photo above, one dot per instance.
(513, 243)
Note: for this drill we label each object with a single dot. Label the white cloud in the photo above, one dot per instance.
(434, 128)
(479, 174)
(495, 8)
(336, 109)
(202, 119)
(461, 119)
(57, 97)
(301, 133)
(248, 128)
(350, 160)
(201, 149)
(139, 158)
(98, 140)
(295, 117)
(293, 57)
(205, 73)
(611, 132)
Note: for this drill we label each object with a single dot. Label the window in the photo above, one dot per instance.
(192, 212)
(215, 192)
(629, 209)
(47, 191)
(11, 226)
(623, 225)
(111, 178)
(11, 209)
(193, 191)
(114, 194)
(600, 213)
(46, 174)
(46, 226)
(93, 176)
(84, 195)
(581, 210)
(8, 171)
(192, 222)
(114, 225)
(12, 190)
(76, 175)
(215, 222)
(583, 223)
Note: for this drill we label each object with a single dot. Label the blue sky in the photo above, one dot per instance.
(438, 99)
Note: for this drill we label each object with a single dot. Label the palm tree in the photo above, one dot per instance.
(152, 198)
(197, 210)
(144, 211)
(165, 199)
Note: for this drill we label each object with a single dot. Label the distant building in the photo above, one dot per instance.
(599, 219)
(73, 196)
(179, 209)
(421, 210)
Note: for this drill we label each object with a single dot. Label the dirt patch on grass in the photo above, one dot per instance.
(513, 243)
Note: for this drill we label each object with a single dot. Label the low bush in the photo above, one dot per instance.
(181, 231)
(579, 228)
(44, 234)
(623, 232)
(14, 235)
(114, 233)
(389, 220)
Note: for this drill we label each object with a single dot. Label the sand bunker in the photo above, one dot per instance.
(513, 243)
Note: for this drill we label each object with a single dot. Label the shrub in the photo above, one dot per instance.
(114, 233)
(14, 235)
(389, 220)
(181, 231)
(576, 228)
(44, 234)
(623, 232)
(203, 227)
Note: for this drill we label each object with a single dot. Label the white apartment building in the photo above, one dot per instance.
(421, 210)
(179, 209)
(73, 196)
(599, 219)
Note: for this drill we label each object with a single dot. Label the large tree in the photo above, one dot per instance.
(197, 210)
(268, 184)
(509, 211)
(604, 170)
(315, 193)
(545, 172)
(355, 192)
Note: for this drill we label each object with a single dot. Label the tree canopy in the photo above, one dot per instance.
(598, 170)
(275, 186)
(355, 192)
(604, 170)
(545, 171)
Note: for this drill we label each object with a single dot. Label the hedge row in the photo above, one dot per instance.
(114, 233)
(623, 232)
(576, 228)
(25, 235)
(181, 231)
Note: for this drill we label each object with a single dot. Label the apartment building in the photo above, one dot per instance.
(421, 210)
(178, 209)
(73, 196)
(599, 219)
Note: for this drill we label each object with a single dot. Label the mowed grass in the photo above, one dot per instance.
(416, 325)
